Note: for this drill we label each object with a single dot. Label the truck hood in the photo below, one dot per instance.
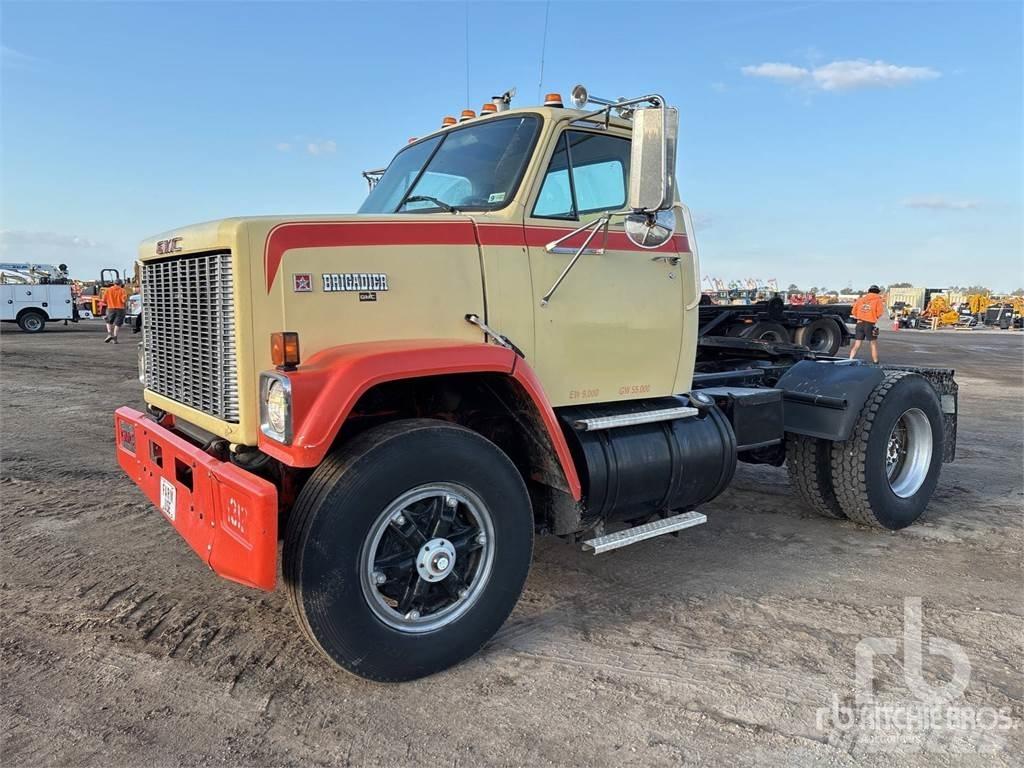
(335, 280)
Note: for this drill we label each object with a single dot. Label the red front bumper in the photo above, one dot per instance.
(227, 515)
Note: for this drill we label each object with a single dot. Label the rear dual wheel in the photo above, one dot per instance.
(408, 548)
(885, 473)
(822, 335)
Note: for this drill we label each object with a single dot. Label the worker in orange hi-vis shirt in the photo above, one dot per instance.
(116, 299)
(866, 311)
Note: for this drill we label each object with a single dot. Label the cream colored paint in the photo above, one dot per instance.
(615, 330)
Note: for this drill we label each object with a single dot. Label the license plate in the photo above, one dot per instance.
(127, 434)
(168, 498)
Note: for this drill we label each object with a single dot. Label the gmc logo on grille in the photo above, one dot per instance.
(168, 246)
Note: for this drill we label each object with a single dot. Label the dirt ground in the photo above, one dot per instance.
(721, 646)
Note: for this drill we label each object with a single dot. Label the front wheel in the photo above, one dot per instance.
(408, 548)
(32, 321)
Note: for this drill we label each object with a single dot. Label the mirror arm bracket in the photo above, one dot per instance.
(594, 226)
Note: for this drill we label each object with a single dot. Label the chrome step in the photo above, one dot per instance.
(637, 533)
(629, 419)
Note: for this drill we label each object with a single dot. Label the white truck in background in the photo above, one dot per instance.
(33, 294)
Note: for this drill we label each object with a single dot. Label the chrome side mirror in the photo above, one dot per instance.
(653, 159)
(650, 230)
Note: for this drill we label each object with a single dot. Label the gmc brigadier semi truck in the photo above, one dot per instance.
(502, 343)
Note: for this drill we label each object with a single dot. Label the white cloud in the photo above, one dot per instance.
(10, 57)
(319, 147)
(11, 239)
(936, 203)
(776, 71)
(843, 75)
(283, 146)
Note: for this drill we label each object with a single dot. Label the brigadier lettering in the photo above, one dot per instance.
(335, 282)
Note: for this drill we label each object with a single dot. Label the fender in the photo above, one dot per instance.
(823, 398)
(327, 387)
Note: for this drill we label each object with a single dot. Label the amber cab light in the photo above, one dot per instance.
(467, 114)
(284, 350)
(553, 100)
(488, 109)
(448, 120)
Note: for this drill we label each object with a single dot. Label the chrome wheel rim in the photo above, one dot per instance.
(33, 323)
(428, 557)
(908, 453)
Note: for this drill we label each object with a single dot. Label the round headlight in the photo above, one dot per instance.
(277, 407)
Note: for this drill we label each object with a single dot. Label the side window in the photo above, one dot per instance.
(555, 199)
(588, 173)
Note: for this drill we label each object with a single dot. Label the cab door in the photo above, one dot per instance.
(613, 328)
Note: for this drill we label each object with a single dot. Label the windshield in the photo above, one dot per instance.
(473, 168)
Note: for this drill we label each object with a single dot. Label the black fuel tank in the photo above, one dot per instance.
(634, 471)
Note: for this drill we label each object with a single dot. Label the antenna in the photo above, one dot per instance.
(467, 53)
(543, 49)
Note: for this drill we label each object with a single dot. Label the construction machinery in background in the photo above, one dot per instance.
(940, 311)
(946, 308)
(90, 294)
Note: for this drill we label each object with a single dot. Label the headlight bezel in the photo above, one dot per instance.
(141, 354)
(268, 380)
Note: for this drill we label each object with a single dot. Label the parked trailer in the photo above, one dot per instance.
(819, 327)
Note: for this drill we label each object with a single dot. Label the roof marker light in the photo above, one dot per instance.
(412, 139)
(467, 114)
(488, 109)
(448, 120)
(553, 100)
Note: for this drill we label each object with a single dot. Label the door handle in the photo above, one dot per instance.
(673, 260)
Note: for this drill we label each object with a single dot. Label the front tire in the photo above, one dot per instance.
(32, 321)
(885, 474)
(408, 548)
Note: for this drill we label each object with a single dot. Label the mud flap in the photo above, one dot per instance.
(823, 398)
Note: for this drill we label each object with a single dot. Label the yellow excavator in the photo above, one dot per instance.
(938, 307)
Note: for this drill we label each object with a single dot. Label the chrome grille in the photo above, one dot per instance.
(189, 332)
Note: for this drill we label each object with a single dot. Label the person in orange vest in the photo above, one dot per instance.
(867, 310)
(116, 298)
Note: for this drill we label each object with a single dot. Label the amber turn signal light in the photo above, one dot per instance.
(284, 349)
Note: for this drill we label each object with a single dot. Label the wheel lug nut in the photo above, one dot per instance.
(481, 538)
(379, 577)
(463, 592)
(399, 519)
(413, 614)
(451, 501)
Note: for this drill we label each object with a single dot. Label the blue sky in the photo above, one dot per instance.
(824, 143)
